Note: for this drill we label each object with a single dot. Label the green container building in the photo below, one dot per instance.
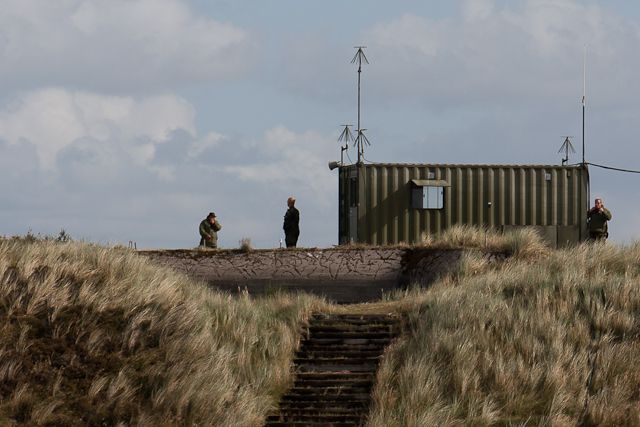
(384, 204)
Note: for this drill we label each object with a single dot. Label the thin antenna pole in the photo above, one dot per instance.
(359, 58)
(359, 73)
(584, 95)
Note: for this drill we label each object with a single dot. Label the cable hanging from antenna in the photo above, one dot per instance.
(612, 168)
(370, 161)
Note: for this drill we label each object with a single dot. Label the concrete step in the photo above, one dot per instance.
(324, 406)
(329, 388)
(355, 324)
(345, 354)
(302, 416)
(328, 419)
(330, 392)
(335, 376)
(309, 424)
(312, 424)
(335, 370)
(326, 361)
(327, 406)
(346, 344)
(310, 367)
(331, 353)
(342, 327)
(363, 386)
(351, 341)
(346, 335)
(362, 318)
(349, 326)
(309, 346)
(318, 396)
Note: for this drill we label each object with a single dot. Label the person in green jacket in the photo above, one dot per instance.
(209, 228)
(597, 218)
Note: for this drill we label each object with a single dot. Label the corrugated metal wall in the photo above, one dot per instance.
(484, 195)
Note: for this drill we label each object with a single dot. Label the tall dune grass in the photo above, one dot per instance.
(98, 336)
(524, 242)
(545, 338)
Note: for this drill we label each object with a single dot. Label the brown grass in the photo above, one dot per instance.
(93, 336)
(98, 336)
(546, 338)
(524, 242)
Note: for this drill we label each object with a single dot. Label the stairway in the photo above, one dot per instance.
(335, 370)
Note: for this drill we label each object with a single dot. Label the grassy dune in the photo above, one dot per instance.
(546, 338)
(98, 336)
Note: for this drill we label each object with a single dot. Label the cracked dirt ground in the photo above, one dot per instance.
(343, 275)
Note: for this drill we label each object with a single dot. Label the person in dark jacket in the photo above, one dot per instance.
(291, 224)
(597, 218)
(209, 228)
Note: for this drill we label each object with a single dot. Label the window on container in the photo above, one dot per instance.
(428, 197)
(435, 196)
(428, 193)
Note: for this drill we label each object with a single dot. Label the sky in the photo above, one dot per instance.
(130, 120)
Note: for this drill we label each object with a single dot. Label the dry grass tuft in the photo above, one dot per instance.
(245, 245)
(550, 342)
(521, 243)
(98, 336)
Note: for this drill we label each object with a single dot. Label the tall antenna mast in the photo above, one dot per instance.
(360, 57)
(584, 95)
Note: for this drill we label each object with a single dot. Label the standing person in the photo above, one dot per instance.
(291, 224)
(209, 228)
(597, 218)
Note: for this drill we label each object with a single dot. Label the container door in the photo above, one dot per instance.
(353, 224)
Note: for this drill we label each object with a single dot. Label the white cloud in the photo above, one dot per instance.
(413, 34)
(495, 75)
(101, 166)
(210, 140)
(477, 9)
(115, 44)
(499, 56)
(54, 119)
(297, 161)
